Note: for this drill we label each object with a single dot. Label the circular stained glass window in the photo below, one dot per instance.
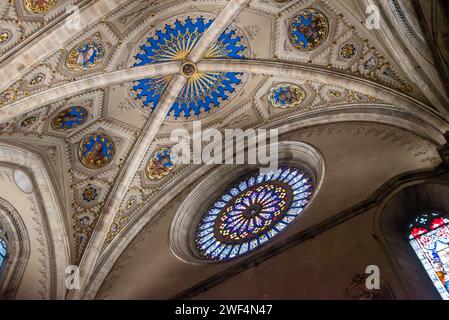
(253, 212)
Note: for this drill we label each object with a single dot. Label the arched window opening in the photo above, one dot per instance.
(429, 237)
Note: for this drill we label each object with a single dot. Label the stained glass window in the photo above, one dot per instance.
(3, 252)
(252, 212)
(429, 237)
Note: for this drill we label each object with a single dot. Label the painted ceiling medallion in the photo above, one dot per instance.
(96, 150)
(85, 56)
(253, 212)
(348, 51)
(40, 6)
(308, 29)
(89, 193)
(4, 36)
(286, 95)
(203, 90)
(161, 163)
(69, 118)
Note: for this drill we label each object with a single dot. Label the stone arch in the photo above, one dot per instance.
(18, 241)
(52, 211)
(391, 222)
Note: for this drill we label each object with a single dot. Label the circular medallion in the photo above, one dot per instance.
(161, 163)
(85, 221)
(40, 6)
(4, 36)
(286, 95)
(188, 69)
(348, 51)
(96, 150)
(202, 91)
(252, 212)
(85, 56)
(69, 118)
(90, 193)
(308, 29)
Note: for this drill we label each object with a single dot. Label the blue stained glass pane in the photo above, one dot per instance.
(234, 251)
(218, 250)
(243, 248)
(3, 251)
(303, 195)
(272, 233)
(298, 184)
(205, 232)
(214, 211)
(220, 204)
(242, 186)
(226, 197)
(234, 191)
(225, 253)
(295, 211)
(212, 248)
(280, 226)
(263, 238)
(287, 219)
(269, 175)
(206, 225)
(285, 174)
(209, 218)
(277, 174)
(251, 181)
(205, 238)
(290, 177)
(253, 244)
(207, 244)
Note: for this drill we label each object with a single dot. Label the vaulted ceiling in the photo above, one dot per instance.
(77, 73)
